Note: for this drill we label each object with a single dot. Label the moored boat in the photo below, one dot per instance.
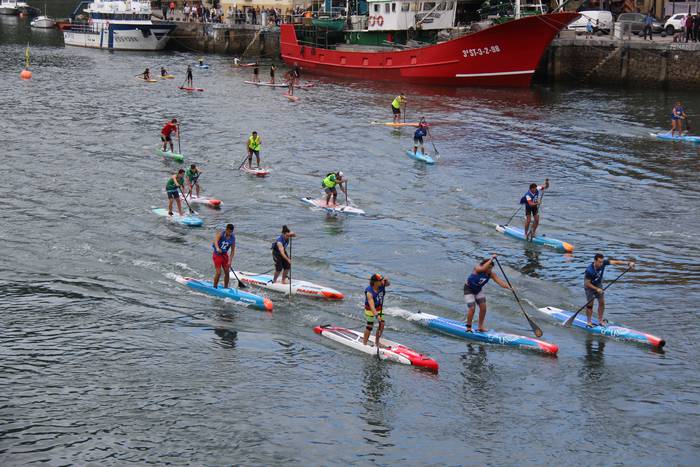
(117, 25)
(502, 55)
(8, 7)
(43, 22)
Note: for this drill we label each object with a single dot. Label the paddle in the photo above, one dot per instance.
(345, 191)
(404, 111)
(437, 153)
(570, 321)
(245, 159)
(290, 268)
(179, 149)
(511, 217)
(185, 198)
(241, 285)
(687, 124)
(535, 328)
(194, 182)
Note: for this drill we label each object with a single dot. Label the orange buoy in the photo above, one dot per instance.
(25, 74)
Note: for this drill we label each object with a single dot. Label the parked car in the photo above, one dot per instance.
(636, 22)
(602, 21)
(675, 23)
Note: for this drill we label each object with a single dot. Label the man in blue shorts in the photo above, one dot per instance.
(593, 285)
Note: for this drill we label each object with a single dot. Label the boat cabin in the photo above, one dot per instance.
(402, 15)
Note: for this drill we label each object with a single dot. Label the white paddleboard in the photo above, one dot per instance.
(308, 289)
(340, 208)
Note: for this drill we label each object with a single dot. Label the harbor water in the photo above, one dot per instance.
(106, 359)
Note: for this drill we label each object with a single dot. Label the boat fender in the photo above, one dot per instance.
(380, 21)
(372, 20)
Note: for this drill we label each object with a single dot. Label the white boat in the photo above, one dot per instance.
(43, 22)
(8, 7)
(118, 25)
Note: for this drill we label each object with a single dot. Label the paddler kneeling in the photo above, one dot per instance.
(593, 285)
(374, 302)
(474, 294)
(224, 249)
(163, 72)
(146, 74)
(283, 263)
(172, 188)
(329, 183)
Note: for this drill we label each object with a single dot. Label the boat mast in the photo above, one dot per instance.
(517, 9)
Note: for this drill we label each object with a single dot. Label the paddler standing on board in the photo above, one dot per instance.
(272, 74)
(188, 79)
(474, 294)
(593, 285)
(163, 72)
(172, 188)
(256, 73)
(374, 303)
(677, 117)
(253, 147)
(396, 105)
(532, 200)
(283, 263)
(421, 131)
(166, 134)
(146, 75)
(192, 175)
(224, 248)
(329, 183)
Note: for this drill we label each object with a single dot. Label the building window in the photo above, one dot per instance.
(405, 6)
(393, 7)
(376, 8)
(387, 8)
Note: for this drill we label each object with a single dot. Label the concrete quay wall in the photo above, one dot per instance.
(659, 64)
(244, 39)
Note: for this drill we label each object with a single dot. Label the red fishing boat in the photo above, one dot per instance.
(501, 55)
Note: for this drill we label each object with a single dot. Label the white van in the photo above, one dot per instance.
(602, 21)
(675, 23)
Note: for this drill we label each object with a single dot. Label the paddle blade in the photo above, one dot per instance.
(570, 321)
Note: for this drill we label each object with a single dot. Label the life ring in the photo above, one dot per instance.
(380, 21)
(372, 20)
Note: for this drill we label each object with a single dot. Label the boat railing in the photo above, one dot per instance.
(83, 28)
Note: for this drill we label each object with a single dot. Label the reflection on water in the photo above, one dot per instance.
(228, 337)
(377, 390)
(532, 264)
(593, 362)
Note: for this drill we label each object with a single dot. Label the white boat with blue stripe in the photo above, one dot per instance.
(117, 25)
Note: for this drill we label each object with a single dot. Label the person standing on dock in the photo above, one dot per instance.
(374, 303)
(648, 22)
(677, 117)
(688, 26)
(531, 200)
(283, 263)
(593, 285)
(166, 134)
(589, 28)
(224, 249)
(253, 147)
(474, 294)
(188, 79)
(396, 105)
(272, 74)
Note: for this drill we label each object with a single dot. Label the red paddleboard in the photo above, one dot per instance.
(262, 172)
(191, 89)
(291, 98)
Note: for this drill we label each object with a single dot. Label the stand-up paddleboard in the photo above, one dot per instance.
(148, 80)
(211, 202)
(307, 289)
(255, 301)
(279, 85)
(245, 65)
(185, 88)
(340, 208)
(291, 98)
(668, 137)
(188, 220)
(203, 66)
(613, 330)
(419, 156)
(388, 350)
(170, 155)
(398, 124)
(167, 76)
(258, 172)
(459, 329)
(517, 232)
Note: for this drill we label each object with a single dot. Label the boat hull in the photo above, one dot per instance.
(505, 55)
(119, 36)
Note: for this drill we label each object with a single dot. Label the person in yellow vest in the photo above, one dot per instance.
(399, 101)
(253, 146)
(329, 183)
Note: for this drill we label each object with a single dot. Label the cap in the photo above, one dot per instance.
(376, 277)
(340, 174)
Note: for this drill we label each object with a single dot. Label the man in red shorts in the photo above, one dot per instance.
(224, 248)
(166, 132)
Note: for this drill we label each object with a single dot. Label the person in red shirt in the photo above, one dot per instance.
(166, 132)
